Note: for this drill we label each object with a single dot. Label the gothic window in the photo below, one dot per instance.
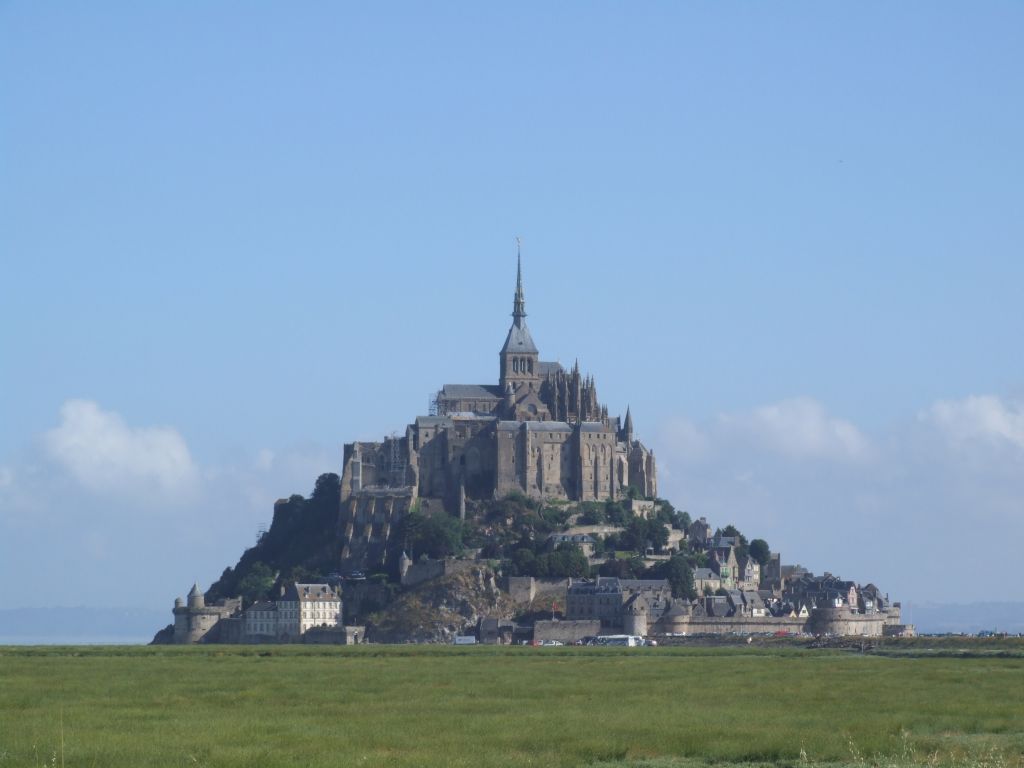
(515, 364)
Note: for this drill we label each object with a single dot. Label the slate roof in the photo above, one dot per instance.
(519, 340)
(535, 426)
(614, 585)
(548, 368)
(717, 606)
(548, 426)
(472, 391)
(433, 421)
(753, 599)
(310, 592)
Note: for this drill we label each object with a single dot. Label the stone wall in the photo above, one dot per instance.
(520, 588)
(427, 569)
(526, 589)
(334, 636)
(838, 621)
(200, 624)
(565, 631)
(367, 523)
(708, 625)
(841, 621)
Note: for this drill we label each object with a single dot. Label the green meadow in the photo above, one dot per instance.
(492, 706)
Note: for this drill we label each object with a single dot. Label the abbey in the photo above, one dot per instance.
(540, 430)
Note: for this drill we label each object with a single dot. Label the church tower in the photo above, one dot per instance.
(520, 366)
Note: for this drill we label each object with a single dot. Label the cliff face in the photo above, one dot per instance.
(436, 611)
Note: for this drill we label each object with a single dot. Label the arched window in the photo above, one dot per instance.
(529, 364)
(515, 364)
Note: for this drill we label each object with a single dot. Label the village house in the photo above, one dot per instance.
(605, 599)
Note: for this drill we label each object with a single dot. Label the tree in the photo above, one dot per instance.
(257, 582)
(760, 551)
(623, 569)
(680, 577)
(524, 562)
(733, 531)
(568, 560)
(436, 536)
(593, 514)
(641, 533)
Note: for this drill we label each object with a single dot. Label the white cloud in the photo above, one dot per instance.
(106, 455)
(833, 498)
(978, 417)
(688, 442)
(799, 427)
(264, 460)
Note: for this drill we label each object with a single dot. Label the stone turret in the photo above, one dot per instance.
(196, 622)
(634, 619)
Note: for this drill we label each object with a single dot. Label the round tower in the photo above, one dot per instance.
(195, 597)
(634, 622)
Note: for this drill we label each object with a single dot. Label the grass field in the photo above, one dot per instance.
(488, 706)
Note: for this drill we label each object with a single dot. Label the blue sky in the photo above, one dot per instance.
(234, 237)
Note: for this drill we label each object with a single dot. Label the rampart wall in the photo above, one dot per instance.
(565, 631)
(830, 621)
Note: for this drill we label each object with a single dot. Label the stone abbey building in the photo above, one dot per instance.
(540, 430)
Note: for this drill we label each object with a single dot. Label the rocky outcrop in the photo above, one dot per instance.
(437, 610)
(164, 637)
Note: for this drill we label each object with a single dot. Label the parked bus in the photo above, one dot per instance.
(631, 641)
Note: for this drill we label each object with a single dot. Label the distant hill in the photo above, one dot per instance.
(79, 625)
(939, 618)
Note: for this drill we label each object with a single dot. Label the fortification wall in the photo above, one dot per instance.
(730, 625)
(838, 621)
(841, 621)
(526, 589)
(367, 522)
(565, 631)
(520, 588)
(549, 588)
(421, 571)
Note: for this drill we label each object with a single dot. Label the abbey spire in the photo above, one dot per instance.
(519, 304)
(519, 356)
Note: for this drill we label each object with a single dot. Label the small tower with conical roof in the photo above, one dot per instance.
(195, 597)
